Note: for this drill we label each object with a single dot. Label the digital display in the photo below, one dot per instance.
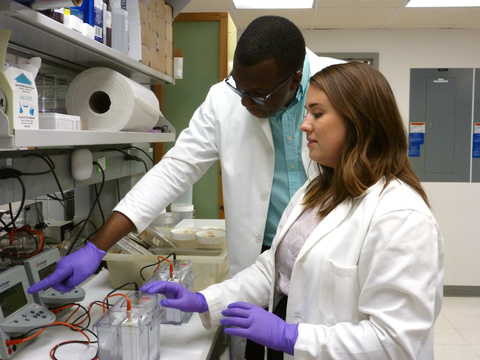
(12, 299)
(46, 271)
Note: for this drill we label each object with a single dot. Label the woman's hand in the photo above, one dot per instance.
(177, 296)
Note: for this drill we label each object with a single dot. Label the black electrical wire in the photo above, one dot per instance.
(120, 287)
(54, 350)
(123, 285)
(8, 174)
(99, 205)
(56, 347)
(155, 264)
(91, 209)
(45, 158)
(51, 164)
(85, 314)
(118, 190)
(89, 221)
(40, 221)
(84, 329)
(143, 151)
(10, 211)
(128, 156)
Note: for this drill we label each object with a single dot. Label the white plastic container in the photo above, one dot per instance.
(211, 239)
(184, 237)
(181, 212)
(58, 121)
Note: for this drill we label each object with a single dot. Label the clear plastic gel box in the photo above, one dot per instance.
(182, 274)
(138, 338)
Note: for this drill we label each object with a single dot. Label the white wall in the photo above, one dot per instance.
(455, 205)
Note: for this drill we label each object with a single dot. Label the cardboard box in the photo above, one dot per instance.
(168, 14)
(93, 15)
(145, 55)
(73, 22)
(143, 9)
(161, 9)
(162, 46)
(153, 21)
(168, 32)
(157, 61)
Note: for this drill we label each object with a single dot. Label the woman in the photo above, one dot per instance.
(357, 252)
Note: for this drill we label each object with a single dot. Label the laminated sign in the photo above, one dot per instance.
(23, 102)
(19, 93)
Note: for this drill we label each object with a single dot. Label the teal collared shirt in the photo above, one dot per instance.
(289, 174)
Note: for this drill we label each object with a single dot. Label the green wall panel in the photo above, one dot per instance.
(200, 45)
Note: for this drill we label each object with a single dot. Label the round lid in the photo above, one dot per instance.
(210, 236)
(183, 233)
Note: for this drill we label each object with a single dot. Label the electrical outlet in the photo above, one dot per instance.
(102, 161)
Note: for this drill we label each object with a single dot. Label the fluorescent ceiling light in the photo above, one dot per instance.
(443, 3)
(273, 4)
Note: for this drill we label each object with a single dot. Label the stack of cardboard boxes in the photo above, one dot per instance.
(156, 19)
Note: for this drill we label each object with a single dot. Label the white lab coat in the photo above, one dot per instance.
(367, 284)
(221, 129)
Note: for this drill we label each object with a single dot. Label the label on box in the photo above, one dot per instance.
(98, 20)
(24, 103)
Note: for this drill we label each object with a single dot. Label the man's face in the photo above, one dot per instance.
(259, 81)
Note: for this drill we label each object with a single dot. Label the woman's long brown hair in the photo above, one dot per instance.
(376, 144)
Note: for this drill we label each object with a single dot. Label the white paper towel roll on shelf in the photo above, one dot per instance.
(111, 101)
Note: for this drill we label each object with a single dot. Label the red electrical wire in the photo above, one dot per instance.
(171, 265)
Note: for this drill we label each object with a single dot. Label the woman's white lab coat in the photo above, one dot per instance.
(221, 129)
(367, 284)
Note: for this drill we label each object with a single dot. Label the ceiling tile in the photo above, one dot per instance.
(328, 18)
(359, 3)
(472, 22)
(429, 18)
(352, 14)
(302, 18)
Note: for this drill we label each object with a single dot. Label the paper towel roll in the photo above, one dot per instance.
(111, 101)
(52, 4)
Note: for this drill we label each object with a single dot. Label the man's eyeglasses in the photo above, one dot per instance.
(257, 99)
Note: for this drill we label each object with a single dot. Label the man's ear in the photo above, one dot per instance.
(297, 79)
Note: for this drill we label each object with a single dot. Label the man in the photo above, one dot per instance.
(251, 123)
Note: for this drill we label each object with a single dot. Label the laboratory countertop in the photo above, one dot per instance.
(189, 341)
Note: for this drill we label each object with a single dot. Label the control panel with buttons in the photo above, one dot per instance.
(40, 266)
(29, 317)
(18, 311)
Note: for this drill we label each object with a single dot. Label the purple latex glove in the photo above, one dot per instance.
(256, 324)
(72, 270)
(177, 296)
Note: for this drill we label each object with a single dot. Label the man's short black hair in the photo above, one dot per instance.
(272, 37)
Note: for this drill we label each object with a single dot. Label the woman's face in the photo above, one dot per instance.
(325, 127)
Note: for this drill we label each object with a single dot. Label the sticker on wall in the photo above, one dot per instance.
(416, 137)
(476, 141)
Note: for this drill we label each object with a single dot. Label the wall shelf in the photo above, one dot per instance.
(55, 138)
(35, 31)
